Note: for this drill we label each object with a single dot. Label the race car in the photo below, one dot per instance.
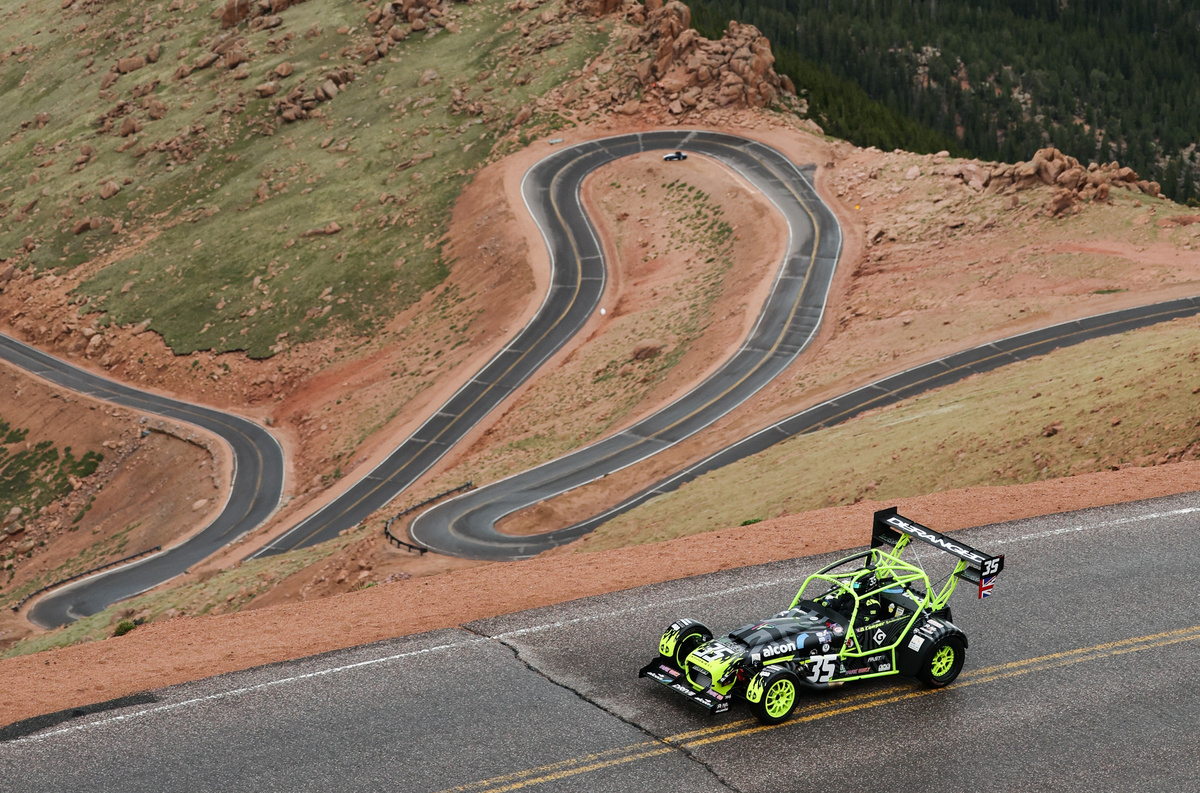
(869, 615)
(674, 156)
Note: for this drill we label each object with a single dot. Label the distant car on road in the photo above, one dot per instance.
(868, 615)
(673, 156)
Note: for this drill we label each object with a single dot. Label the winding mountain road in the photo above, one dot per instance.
(258, 474)
(789, 320)
(551, 189)
(464, 526)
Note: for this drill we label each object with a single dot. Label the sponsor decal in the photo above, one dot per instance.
(682, 689)
(933, 538)
(862, 671)
(778, 649)
(825, 647)
(669, 670)
(714, 695)
(891, 608)
(721, 708)
(915, 642)
(879, 636)
(824, 636)
(838, 630)
(874, 659)
(883, 668)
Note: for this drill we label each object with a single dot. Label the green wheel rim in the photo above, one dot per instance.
(780, 698)
(943, 660)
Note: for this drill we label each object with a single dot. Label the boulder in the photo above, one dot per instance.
(646, 349)
(130, 64)
(109, 189)
(235, 11)
(1060, 202)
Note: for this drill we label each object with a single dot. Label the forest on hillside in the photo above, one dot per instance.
(995, 79)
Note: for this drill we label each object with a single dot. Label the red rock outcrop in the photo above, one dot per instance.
(695, 73)
(1074, 181)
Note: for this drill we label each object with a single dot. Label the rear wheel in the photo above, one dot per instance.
(944, 663)
(778, 697)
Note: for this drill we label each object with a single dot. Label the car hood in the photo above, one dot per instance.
(803, 633)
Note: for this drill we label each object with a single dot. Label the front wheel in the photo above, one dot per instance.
(944, 663)
(689, 639)
(776, 697)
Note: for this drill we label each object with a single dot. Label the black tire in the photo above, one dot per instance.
(689, 639)
(781, 688)
(944, 662)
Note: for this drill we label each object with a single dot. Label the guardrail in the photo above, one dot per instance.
(399, 543)
(85, 573)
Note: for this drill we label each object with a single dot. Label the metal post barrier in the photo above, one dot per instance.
(85, 573)
(399, 543)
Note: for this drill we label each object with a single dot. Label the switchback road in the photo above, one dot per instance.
(789, 320)
(552, 194)
(255, 491)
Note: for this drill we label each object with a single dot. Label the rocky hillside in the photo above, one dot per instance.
(266, 173)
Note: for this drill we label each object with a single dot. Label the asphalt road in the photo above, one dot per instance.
(257, 486)
(551, 191)
(464, 526)
(1080, 676)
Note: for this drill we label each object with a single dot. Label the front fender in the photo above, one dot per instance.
(670, 637)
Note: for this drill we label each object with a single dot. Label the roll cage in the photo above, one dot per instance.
(880, 572)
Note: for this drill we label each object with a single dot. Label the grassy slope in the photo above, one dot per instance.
(214, 266)
(1125, 400)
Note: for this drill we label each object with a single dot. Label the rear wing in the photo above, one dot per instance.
(977, 567)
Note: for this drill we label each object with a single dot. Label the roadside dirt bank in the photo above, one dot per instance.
(183, 649)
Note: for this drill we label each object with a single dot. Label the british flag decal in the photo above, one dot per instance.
(985, 586)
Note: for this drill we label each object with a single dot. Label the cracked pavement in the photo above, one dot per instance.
(1079, 675)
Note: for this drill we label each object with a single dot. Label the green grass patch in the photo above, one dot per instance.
(219, 268)
(32, 476)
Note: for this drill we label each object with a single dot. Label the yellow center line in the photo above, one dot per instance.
(866, 700)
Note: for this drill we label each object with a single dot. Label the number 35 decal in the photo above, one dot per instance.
(822, 669)
(991, 567)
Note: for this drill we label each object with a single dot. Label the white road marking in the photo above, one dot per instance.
(1119, 522)
(540, 628)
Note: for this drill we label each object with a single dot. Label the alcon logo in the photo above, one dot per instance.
(778, 649)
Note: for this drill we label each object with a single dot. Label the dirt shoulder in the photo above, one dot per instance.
(179, 650)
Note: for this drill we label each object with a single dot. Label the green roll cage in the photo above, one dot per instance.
(891, 572)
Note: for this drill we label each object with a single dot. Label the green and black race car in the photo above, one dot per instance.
(868, 615)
